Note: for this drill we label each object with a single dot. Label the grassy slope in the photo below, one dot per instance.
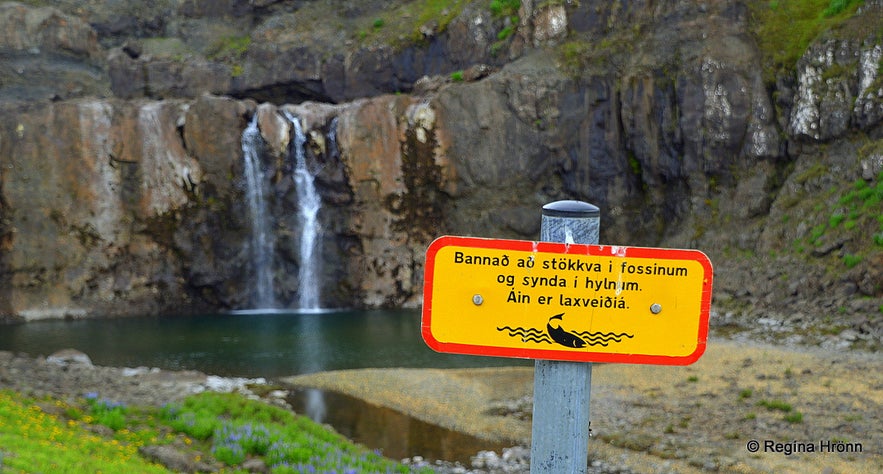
(95, 435)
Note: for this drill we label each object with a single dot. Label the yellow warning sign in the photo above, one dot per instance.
(575, 302)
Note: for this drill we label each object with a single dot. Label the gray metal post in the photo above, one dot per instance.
(562, 390)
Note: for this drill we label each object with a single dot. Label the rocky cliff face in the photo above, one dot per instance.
(121, 182)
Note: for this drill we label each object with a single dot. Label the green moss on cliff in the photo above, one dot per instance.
(229, 48)
(407, 22)
(784, 29)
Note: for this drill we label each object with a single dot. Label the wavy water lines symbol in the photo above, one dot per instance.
(527, 334)
(602, 338)
(539, 336)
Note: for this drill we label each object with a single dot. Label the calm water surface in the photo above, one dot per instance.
(247, 344)
(273, 344)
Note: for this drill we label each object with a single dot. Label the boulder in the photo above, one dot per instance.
(66, 357)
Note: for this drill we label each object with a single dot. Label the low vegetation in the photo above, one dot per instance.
(34, 440)
(790, 414)
(505, 7)
(99, 435)
(785, 29)
(859, 212)
(229, 48)
(410, 21)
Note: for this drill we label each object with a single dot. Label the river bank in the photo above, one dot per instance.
(809, 409)
(801, 405)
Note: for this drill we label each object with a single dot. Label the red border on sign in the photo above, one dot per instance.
(560, 248)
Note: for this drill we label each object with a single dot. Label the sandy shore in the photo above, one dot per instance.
(657, 418)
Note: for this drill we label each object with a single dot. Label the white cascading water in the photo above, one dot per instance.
(308, 204)
(262, 242)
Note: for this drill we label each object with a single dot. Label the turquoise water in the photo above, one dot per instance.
(246, 344)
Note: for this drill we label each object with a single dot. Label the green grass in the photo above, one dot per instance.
(835, 219)
(785, 28)
(775, 405)
(402, 25)
(791, 415)
(858, 215)
(33, 440)
(851, 260)
(506, 33)
(836, 7)
(229, 48)
(55, 436)
(500, 8)
(242, 428)
(405, 24)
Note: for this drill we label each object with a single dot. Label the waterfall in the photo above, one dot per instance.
(308, 204)
(261, 242)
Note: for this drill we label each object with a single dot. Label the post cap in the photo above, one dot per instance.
(570, 208)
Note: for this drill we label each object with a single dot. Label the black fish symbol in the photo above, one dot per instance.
(559, 335)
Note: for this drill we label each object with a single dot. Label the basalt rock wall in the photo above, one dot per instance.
(121, 180)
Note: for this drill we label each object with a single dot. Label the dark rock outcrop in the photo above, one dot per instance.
(47, 54)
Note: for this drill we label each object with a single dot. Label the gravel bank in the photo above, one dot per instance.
(697, 418)
(70, 373)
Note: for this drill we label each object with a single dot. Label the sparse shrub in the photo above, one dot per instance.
(835, 219)
(106, 412)
(505, 7)
(505, 33)
(851, 260)
(635, 164)
(229, 454)
(229, 47)
(837, 7)
(232, 444)
(197, 426)
(775, 405)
